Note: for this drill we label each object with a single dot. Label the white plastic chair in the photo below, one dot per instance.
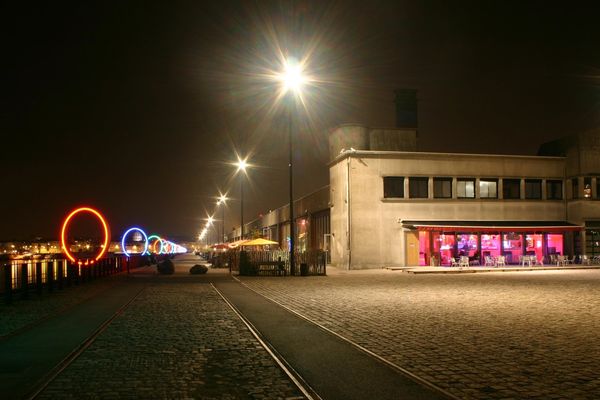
(464, 261)
(501, 261)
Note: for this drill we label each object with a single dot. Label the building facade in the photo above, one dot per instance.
(405, 208)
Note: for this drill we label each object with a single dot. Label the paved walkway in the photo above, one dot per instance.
(178, 339)
(531, 335)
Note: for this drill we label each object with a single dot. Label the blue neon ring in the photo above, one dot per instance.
(127, 233)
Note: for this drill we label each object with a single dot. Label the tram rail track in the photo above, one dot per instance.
(47, 379)
(294, 376)
(412, 376)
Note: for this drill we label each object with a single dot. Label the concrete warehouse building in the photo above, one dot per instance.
(391, 205)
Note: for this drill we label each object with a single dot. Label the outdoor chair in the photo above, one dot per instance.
(561, 260)
(500, 261)
(464, 261)
(585, 260)
(453, 262)
(489, 262)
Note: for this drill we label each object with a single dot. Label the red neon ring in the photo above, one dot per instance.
(63, 241)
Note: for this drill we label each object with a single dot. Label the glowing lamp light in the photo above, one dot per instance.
(134, 229)
(63, 235)
(292, 77)
(242, 165)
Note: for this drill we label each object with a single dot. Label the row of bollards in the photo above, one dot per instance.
(24, 276)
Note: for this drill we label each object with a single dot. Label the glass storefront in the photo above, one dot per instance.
(534, 246)
(443, 245)
(424, 250)
(554, 244)
(512, 245)
(466, 245)
(490, 245)
(477, 246)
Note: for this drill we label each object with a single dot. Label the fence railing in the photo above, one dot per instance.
(306, 263)
(23, 276)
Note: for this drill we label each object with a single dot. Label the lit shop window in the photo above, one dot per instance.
(533, 246)
(513, 246)
(490, 245)
(554, 244)
(466, 245)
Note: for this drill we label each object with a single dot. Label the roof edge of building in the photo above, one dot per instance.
(371, 153)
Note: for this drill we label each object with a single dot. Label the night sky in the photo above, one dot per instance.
(138, 107)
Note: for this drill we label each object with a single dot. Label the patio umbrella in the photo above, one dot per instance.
(259, 242)
(235, 244)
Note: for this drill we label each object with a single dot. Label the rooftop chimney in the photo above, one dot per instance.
(406, 108)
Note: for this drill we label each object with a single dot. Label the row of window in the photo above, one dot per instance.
(418, 188)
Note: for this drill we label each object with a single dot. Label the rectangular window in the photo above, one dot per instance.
(417, 188)
(533, 188)
(465, 188)
(554, 190)
(575, 186)
(393, 186)
(587, 187)
(511, 188)
(488, 188)
(442, 188)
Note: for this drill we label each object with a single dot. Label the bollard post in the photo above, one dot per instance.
(38, 277)
(8, 283)
(60, 274)
(50, 276)
(24, 281)
(70, 272)
(76, 268)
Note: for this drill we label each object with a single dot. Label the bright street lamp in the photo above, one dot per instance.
(221, 202)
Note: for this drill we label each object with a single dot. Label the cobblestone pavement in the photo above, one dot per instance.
(527, 335)
(176, 340)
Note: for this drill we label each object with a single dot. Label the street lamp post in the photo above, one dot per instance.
(241, 164)
(221, 202)
(291, 171)
(292, 80)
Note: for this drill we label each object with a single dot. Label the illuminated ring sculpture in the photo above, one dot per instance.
(152, 246)
(127, 233)
(63, 241)
(163, 246)
(170, 248)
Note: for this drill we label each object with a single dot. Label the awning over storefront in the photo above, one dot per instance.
(491, 226)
